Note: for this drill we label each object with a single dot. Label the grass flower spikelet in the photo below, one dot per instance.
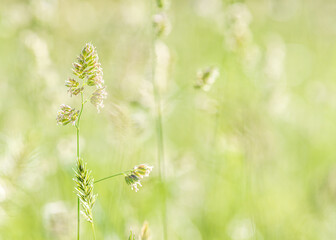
(67, 115)
(98, 97)
(134, 176)
(88, 66)
(84, 188)
(73, 86)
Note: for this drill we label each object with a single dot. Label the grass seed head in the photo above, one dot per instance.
(98, 97)
(84, 188)
(67, 115)
(73, 86)
(88, 67)
(133, 178)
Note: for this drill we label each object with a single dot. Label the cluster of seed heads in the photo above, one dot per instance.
(88, 67)
(89, 71)
(84, 188)
(134, 176)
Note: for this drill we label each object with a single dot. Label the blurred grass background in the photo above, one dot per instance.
(253, 158)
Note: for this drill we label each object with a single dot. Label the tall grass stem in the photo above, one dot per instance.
(78, 201)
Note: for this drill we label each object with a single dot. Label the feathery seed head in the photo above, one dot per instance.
(84, 188)
(97, 98)
(206, 77)
(161, 24)
(88, 67)
(66, 115)
(138, 172)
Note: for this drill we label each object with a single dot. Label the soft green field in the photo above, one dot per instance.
(253, 158)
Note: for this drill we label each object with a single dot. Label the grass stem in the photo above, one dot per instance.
(93, 231)
(78, 218)
(78, 201)
(114, 175)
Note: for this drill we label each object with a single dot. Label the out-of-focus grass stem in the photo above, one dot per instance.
(159, 130)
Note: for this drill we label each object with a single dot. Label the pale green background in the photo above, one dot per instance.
(263, 167)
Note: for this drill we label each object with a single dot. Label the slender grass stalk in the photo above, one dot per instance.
(114, 175)
(159, 130)
(77, 128)
(93, 231)
(161, 158)
(78, 218)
